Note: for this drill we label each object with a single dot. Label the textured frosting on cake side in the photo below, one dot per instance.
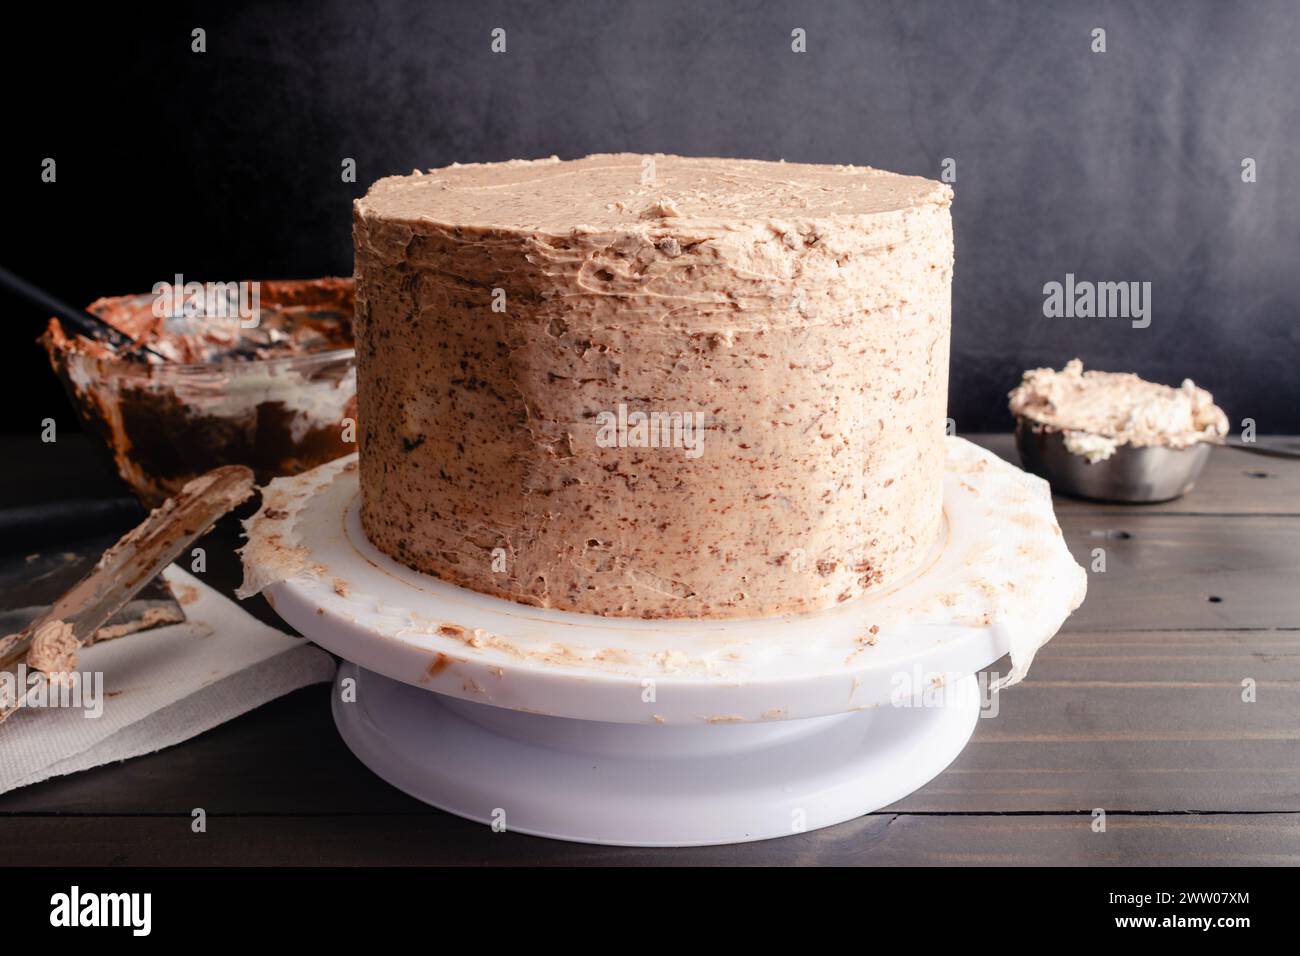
(513, 319)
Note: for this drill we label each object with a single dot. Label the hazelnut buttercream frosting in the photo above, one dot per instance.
(654, 386)
(1098, 412)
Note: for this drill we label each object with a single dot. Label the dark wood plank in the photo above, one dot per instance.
(1168, 571)
(1132, 721)
(873, 840)
(1234, 537)
(1234, 482)
(1137, 721)
(1134, 708)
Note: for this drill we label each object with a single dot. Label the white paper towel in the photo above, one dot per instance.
(161, 687)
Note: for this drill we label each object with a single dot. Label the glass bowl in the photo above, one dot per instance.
(166, 423)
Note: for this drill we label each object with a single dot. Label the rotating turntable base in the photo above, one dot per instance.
(676, 732)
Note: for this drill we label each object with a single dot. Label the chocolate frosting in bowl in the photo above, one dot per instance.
(273, 397)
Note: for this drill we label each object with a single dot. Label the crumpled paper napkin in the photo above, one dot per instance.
(160, 687)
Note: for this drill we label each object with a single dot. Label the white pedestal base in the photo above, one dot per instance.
(639, 785)
(670, 732)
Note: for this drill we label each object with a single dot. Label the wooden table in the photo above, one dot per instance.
(1136, 708)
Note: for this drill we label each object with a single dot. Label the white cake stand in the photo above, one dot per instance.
(665, 733)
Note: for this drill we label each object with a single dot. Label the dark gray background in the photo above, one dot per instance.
(1117, 166)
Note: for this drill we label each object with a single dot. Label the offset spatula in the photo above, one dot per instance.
(79, 320)
(30, 583)
(130, 564)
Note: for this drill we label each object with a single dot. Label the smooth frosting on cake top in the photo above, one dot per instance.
(609, 191)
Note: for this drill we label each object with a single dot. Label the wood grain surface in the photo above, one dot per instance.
(1136, 708)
